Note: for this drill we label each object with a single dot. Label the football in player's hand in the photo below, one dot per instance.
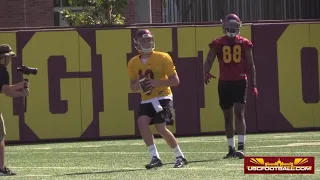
(145, 88)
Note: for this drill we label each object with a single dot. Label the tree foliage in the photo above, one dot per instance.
(95, 12)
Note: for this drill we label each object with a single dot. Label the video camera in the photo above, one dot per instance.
(27, 70)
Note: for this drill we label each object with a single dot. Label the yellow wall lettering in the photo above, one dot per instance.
(211, 117)
(116, 119)
(315, 42)
(85, 84)
(35, 54)
(186, 42)
(292, 106)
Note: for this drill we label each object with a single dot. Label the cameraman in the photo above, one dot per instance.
(16, 90)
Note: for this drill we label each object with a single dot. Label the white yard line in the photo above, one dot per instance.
(202, 168)
(248, 140)
(108, 169)
(35, 175)
(290, 145)
(108, 144)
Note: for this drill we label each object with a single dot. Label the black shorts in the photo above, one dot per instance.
(163, 116)
(232, 92)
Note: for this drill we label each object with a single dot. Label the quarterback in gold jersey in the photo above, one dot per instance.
(152, 73)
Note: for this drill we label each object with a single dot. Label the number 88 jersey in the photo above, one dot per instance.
(231, 53)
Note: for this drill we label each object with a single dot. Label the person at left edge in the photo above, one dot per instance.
(153, 73)
(15, 90)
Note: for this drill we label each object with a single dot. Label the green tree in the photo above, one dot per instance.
(95, 12)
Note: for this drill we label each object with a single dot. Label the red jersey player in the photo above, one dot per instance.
(235, 62)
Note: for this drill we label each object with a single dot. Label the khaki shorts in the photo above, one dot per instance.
(2, 128)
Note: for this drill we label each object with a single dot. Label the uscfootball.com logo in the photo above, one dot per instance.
(279, 165)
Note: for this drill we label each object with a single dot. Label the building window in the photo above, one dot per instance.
(64, 3)
(60, 3)
(56, 18)
(56, 3)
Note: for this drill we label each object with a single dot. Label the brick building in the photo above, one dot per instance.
(32, 13)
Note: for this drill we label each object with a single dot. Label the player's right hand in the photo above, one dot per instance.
(207, 77)
(145, 87)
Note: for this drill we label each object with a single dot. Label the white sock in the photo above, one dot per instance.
(153, 151)
(178, 151)
(241, 139)
(231, 142)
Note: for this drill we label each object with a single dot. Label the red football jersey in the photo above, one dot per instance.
(231, 54)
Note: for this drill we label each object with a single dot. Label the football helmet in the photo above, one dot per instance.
(143, 41)
(231, 25)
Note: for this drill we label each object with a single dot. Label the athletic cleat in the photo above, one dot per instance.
(180, 162)
(240, 152)
(240, 146)
(6, 172)
(155, 162)
(231, 153)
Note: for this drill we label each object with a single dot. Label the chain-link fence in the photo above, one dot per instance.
(248, 10)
